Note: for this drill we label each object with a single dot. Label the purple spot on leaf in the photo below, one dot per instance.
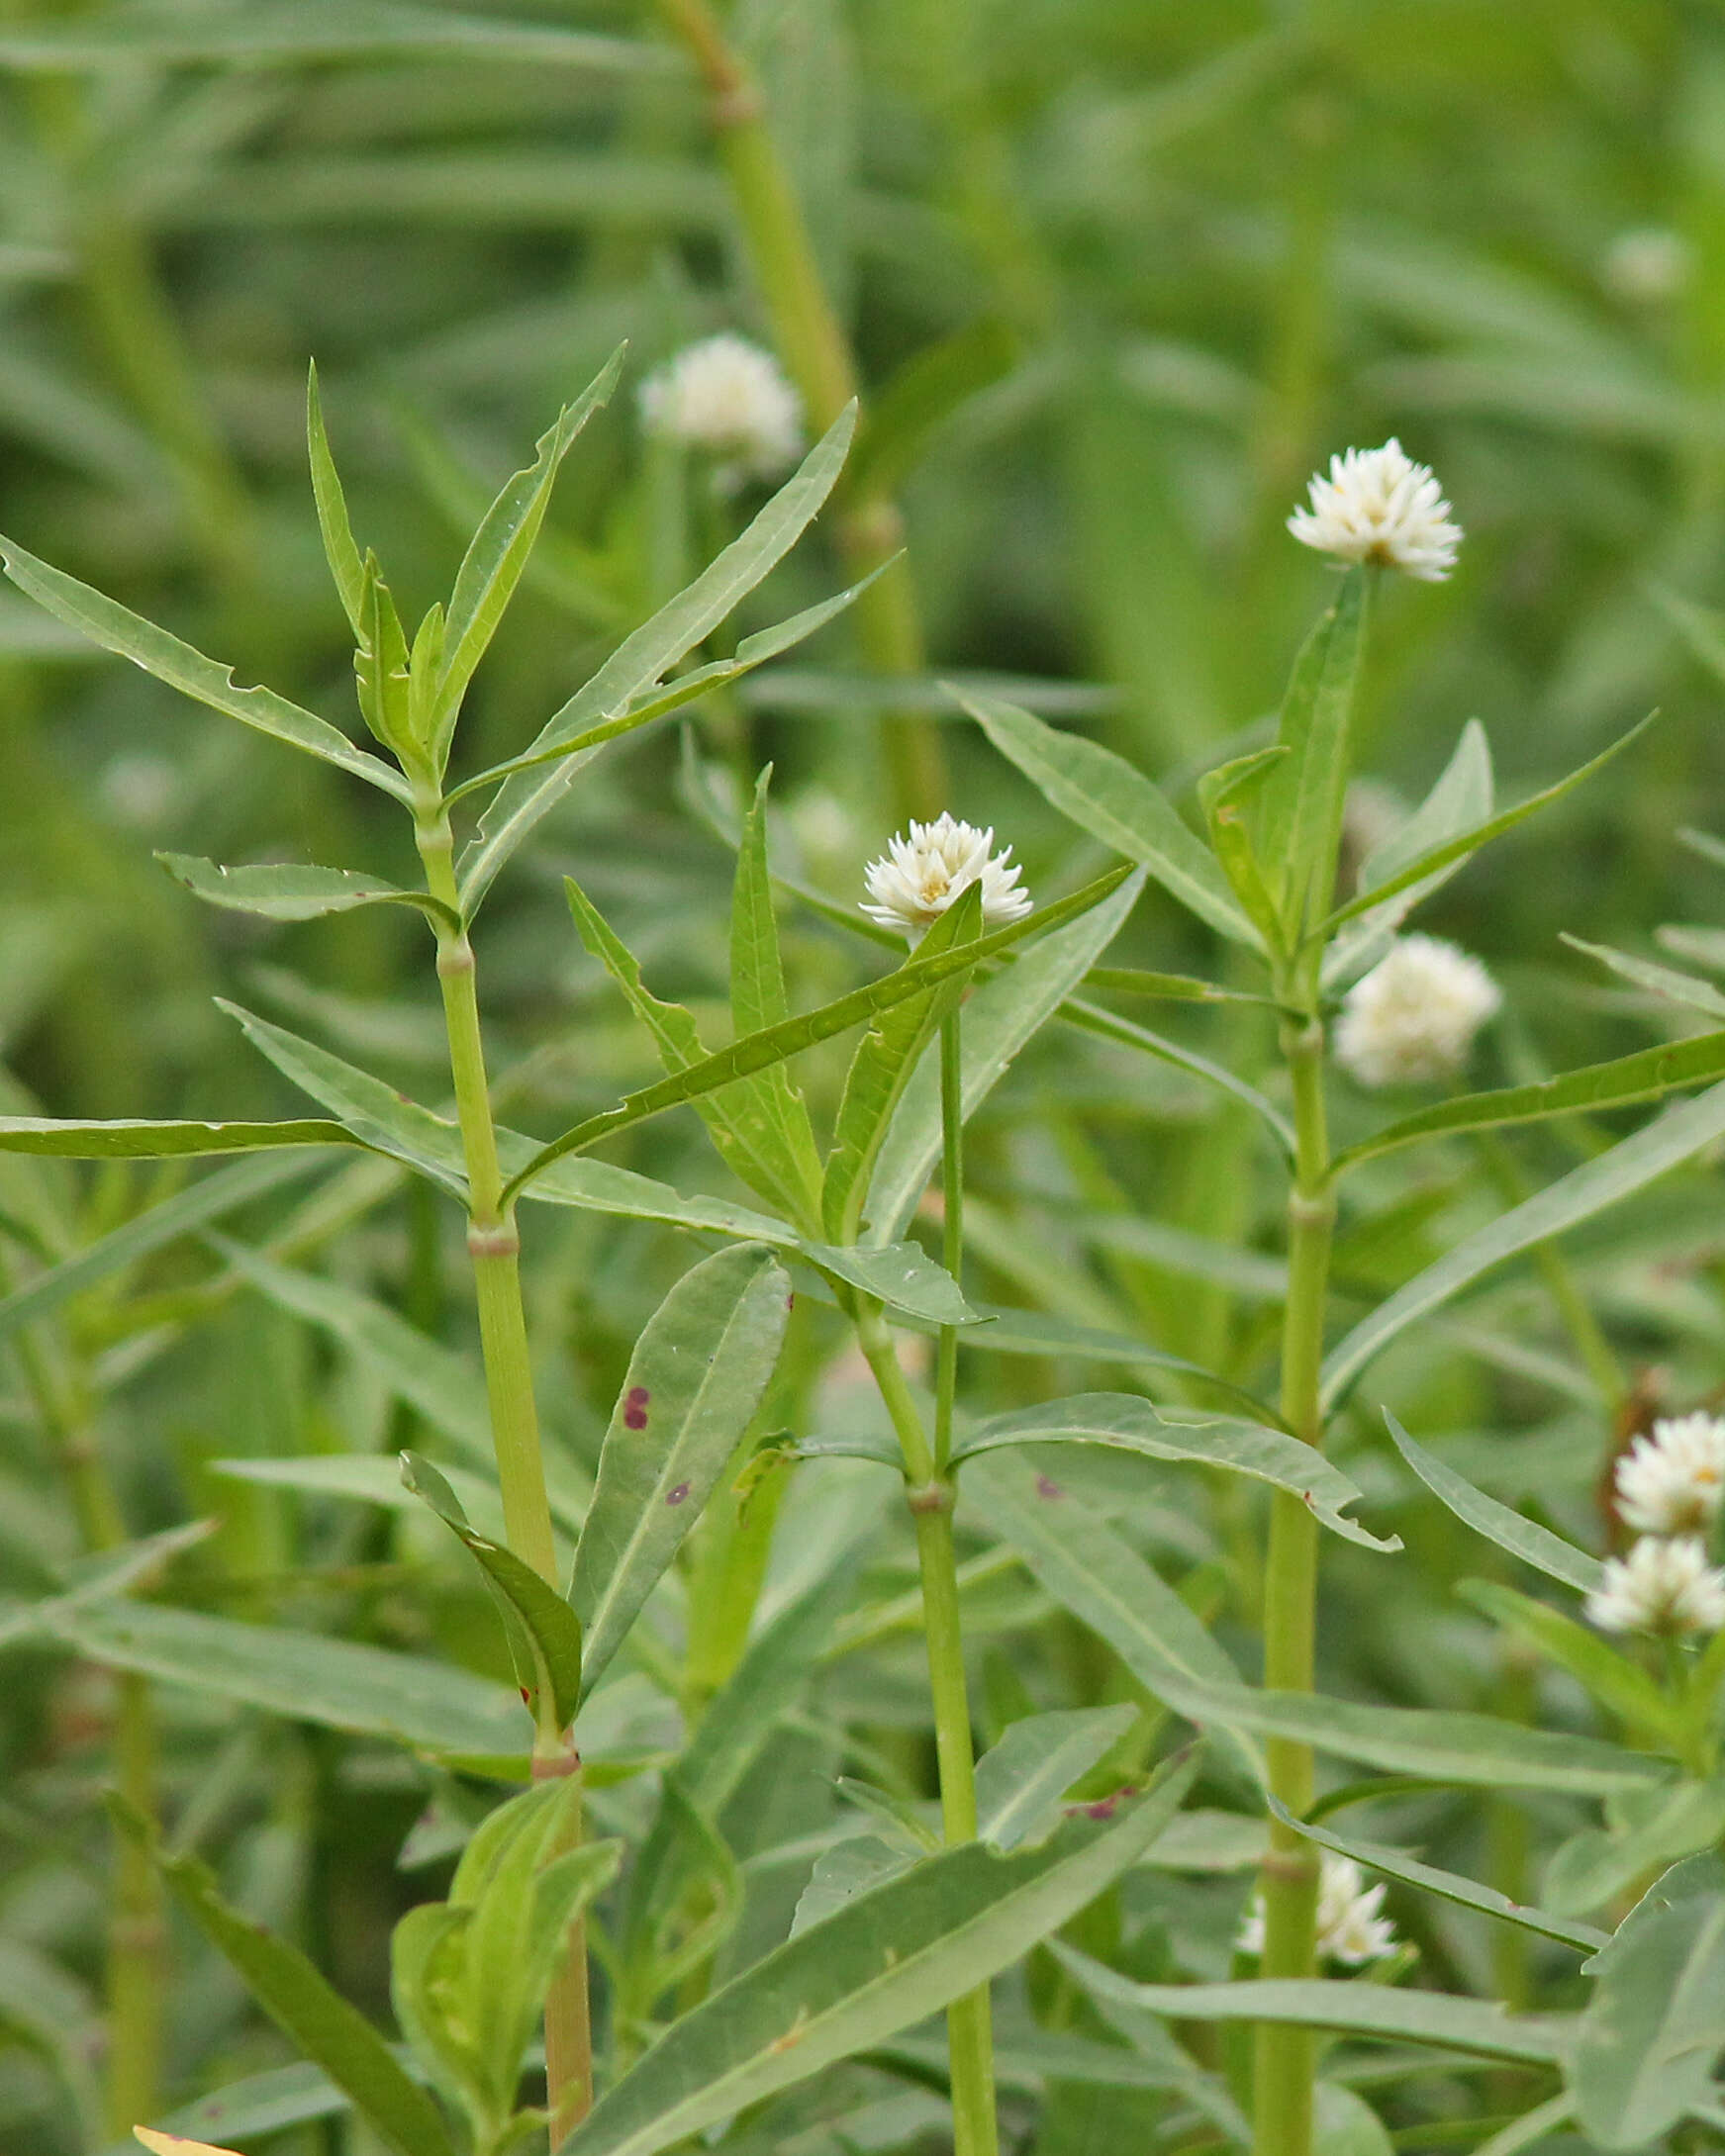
(635, 1407)
(676, 1496)
(1102, 1809)
(1047, 1487)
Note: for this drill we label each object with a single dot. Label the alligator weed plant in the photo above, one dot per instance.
(757, 1995)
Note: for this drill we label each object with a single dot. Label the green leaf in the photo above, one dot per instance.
(1648, 2040)
(1522, 1537)
(1105, 796)
(1461, 799)
(1661, 981)
(128, 1140)
(901, 1274)
(119, 631)
(373, 1114)
(694, 1383)
(1163, 988)
(888, 1959)
(1647, 1830)
(258, 2104)
(1128, 1423)
(331, 2033)
(1355, 2009)
(916, 401)
(642, 659)
(1299, 822)
(1449, 1886)
(1020, 1782)
(1468, 842)
(1613, 1678)
(302, 1676)
(1079, 1559)
(1346, 2124)
(886, 1059)
(999, 1018)
(757, 1001)
(759, 1050)
(1644, 1076)
(367, 1478)
(1111, 1027)
(544, 1633)
(492, 566)
(340, 550)
(1219, 794)
(1629, 1166)
(380, 669)
(285, 892)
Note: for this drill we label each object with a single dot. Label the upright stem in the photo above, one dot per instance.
(495, 1246)
(952, 1228)
(817, 355)
(1283, 2078)
(969, 2024)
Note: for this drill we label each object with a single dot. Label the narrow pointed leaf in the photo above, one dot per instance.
(694, 1383)
(331, 2033)
(644, 658)
(127, 1140)
(1298, 821)
(286, 891)
(116, 629)
(1586, 1938)
(544, 1633)
(1462, 799)
(1594, 1662)
(1108, 798)
(1661, 981)
(1111, 1027)
(1522, 1537)
(1128, 1423)
(1020, 1782)
(889, 1958)
(340, 550)
(1628, 1166)
(757, 1001)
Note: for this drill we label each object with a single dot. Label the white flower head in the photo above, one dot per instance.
(1413, 1017)
(1351, 1925)
(920, 877)
(1671, 1482)
(1378, 505)
(1660, 1586)
(730, 397)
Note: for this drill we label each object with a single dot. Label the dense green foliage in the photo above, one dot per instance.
(1111, 280)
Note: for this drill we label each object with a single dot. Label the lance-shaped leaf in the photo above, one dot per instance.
(1222, 796)
(1354, 2008)
(1645, 1075)
(889, 1958)
(1112, 1027)
(131, 1140)
(1522, 1537)
(1130, 1424)
(694, 1383)
(1646, 1830)
(1648, 2040)
(885, 1061)
(644, 658)
(1629, 1166)
(116, 629)
(999, 1017)
(498, 553)
(758, 1051)
(1594, 1662)
(544, 1633)
(1449, 1886)
(1021, 1781)
(331, 2033)
(1105, 796)
(287, 892)
(1662, 980)
(340, 550)
(1297, 825)
(1468, 842)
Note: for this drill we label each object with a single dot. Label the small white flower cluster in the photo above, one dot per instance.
(1668, 1485)
(1378, 505)
(1351, 1925)
(729, 397)
(920, 877)
(1413, 1017)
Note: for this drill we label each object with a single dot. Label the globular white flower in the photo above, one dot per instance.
(1351, 1925)
(1671, 1482)
(1413, 1017)
(730, 397)
(1660, 1586)
(1378, 504)
(919, 877)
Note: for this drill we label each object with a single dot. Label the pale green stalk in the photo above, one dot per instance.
(1283, 2073)
(818, 357)
(494, 1244)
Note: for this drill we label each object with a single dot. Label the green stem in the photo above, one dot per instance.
(1285, 2057)
(969, 2026)
(818, 357)
(952, 1229)
(495, 1246)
